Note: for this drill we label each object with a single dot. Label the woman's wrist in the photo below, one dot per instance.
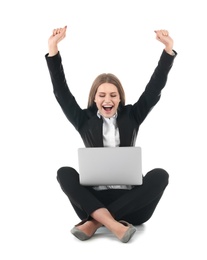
(169, 51)
(53, 50)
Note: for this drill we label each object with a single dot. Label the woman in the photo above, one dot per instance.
(109, 122)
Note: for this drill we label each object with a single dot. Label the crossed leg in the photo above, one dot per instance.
(129, 204)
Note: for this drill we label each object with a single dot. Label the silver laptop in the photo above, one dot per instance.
(110, 166)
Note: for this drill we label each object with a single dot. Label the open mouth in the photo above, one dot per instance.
(107, 108)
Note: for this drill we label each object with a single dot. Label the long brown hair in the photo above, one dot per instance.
(105, 78)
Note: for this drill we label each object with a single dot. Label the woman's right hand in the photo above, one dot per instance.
(57, 36)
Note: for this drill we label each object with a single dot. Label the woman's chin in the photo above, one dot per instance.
(107, 114)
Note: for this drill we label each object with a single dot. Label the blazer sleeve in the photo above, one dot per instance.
(62, 92)
(152, 92)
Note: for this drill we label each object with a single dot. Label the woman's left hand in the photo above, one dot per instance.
(163, 36)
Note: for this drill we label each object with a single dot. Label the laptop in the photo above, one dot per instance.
(110, 166)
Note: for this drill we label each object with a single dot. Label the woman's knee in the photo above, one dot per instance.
(159, 176)
(65, 173)
(162, 174)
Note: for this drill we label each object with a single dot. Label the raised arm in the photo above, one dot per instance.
(158, 80)
(60, 87)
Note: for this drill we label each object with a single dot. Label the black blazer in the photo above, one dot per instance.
(129, 118)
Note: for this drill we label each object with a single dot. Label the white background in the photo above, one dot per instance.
(36, 138)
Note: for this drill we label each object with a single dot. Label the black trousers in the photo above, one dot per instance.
(135, 206)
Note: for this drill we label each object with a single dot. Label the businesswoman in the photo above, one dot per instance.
(109, 122)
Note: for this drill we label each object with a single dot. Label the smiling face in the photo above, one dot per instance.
(107, 99)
